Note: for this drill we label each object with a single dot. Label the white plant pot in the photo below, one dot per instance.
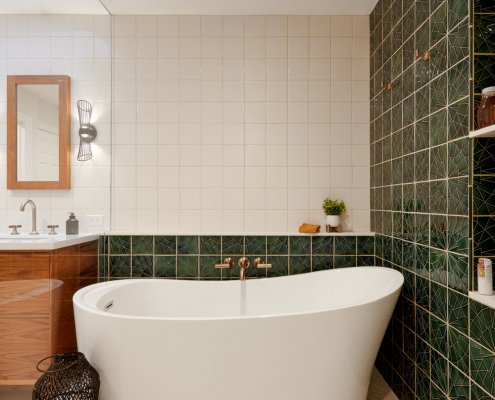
(333, 220)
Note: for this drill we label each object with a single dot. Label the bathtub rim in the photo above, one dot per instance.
(78, 299)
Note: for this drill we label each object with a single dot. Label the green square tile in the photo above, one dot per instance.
(207, 267)
(458, 234)
(459, 273)
(484, 195)
(322, 245)
(484, 6)
(484, 156)
(422, 292)
(120, 266)
(458, 311)
(458, 10)
(299, 264)
(438, 94)
(142, 244)
(280, 265)
(187, 266)
(366, 261)
(234, 272)
(103, 244)
(397, 251)
(438, 23)
(439, 371)
(478, 393)
(422, 386)
(210, 245)
(438, 162)
(423, 352)
(345, 245)
(484, 236)
(232, 244)
(320, 263)
(166, 245)
(344, 261)
(421, 160)
(482, 367)
(255, 245)
(459, 350)
(438, 128)
(103, 267)
(438, 231)
(438, 61)
(458, 384)
(459, 155)
(483, 324)
(458, 77)
(458, 196)
(438, 266)
(438, 335)
(120, 244)
(142, 266)
(300, 245)
(187, 245)
(458, 43)
(365, 245)
(438, 197)
(423, 101)
(438, 301)
(458, 119)
(165, 266)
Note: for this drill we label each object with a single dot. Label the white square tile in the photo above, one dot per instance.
(341, 133)
(190, 177)
(168, 198)
(276, 69)
(319, 47)
(360, 112)
(276, 112)
(233, 155)
(319, 69)
(39, 25)
(190, 133)
(298, 177)
(298, 112)
(211, 134)
(232, 91)
(233, 26)
(341, 177)
(341, 69)
(298, 47)
(360, 69)
(276, 25)
(298, 25)
(233, 47)
(276, 47)
(233, 199)
(211, 47)
(319, 156)
(319, 177)
(319, 134)
(124, 47)
(211, 69)
(232, 220)
(298, 69)
(255, 221)
(319, 25)
(168, 177)
(190, 112)
(298, 134)
(190, 90)
(255, 155)
(211, 25)
(255, 47)
(147, 91)
(211, 112)
(298, 155)
(147, 199)
(147, 25)
(360, 156)
(233, 112)
(211, 156)
(320, 91)
(212, 90)
(319, 112)
(298, 90)
(360, 91)
(255, 176)
(233, 69)
(361, 177)
(276, 155)
(169, 155)
(211, 221)
(233, 177)
(39, 47)
(61, 47)
(190, 47)
(255, 112)
(360, 25)
(254, 25)
(341, 112)
(124, 25)
(255, 69)
(168, 25)
(341, 25)
(147, 47)
(124, 69)
(233, 134)
(342, 47)
(211, 199)
(276, 91)
(361, 47)
(276, 133)
(341, 156)
(190, 25)
(361, 134)
(168, 47)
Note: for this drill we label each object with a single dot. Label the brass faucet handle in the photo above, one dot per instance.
(227, 264)
(14, 229)
(258, 263)
(244, 262)
(424, 55)
(52, 229)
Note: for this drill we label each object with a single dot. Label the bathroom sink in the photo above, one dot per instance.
(25, 238)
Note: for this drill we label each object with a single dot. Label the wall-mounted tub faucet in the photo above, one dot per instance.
(33, 215)
(244, 264)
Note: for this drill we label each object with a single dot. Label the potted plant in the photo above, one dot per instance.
(333, 209)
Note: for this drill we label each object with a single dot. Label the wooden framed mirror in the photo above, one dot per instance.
(38, 132)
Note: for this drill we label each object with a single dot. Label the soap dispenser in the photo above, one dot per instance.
(72, 225)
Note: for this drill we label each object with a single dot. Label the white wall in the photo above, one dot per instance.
(78, 46)
(239, 123)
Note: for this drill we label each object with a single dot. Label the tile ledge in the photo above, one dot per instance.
(131, 233)
(483, 299)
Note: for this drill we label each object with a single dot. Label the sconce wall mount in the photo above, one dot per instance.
(87, 132)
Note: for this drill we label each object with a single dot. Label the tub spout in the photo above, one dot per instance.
(243, 265)
(33, 215)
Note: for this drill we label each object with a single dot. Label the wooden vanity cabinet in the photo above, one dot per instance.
(36, 314)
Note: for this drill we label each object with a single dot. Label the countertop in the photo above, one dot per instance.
(43, 241)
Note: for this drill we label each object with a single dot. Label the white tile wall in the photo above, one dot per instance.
(78, 46)
(239, 123)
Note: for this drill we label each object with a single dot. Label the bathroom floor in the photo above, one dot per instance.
(379, 390)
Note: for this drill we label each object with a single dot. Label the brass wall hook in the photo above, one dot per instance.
(424, 55)
(388, 85)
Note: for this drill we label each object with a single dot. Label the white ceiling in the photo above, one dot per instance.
(184, 7)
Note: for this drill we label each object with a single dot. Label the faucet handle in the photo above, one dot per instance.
(14, 229)
(52, 229)
(258, 263)
(227, 264)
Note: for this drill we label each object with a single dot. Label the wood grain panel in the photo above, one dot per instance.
(6, 266)
(31, 265)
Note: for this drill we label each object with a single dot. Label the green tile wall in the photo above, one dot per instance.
(439, 345)
(194, 257)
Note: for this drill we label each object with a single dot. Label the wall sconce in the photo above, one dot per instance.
(87, 132)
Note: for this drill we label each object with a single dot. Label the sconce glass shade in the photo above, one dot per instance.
(87, 132)
(84, 153)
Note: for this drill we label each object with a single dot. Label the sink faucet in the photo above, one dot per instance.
(33, 215)
(243, 265)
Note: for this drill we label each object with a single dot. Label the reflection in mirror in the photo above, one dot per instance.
(37, 133)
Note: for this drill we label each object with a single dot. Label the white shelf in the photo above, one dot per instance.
(483, 299)
(489, 131)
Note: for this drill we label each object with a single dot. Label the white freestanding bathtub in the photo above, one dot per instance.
(313, 336)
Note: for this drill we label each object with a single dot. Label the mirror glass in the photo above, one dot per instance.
(38, 132)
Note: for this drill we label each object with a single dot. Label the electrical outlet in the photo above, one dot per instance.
(94, 220)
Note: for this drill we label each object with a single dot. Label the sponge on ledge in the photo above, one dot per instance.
(309, 228)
